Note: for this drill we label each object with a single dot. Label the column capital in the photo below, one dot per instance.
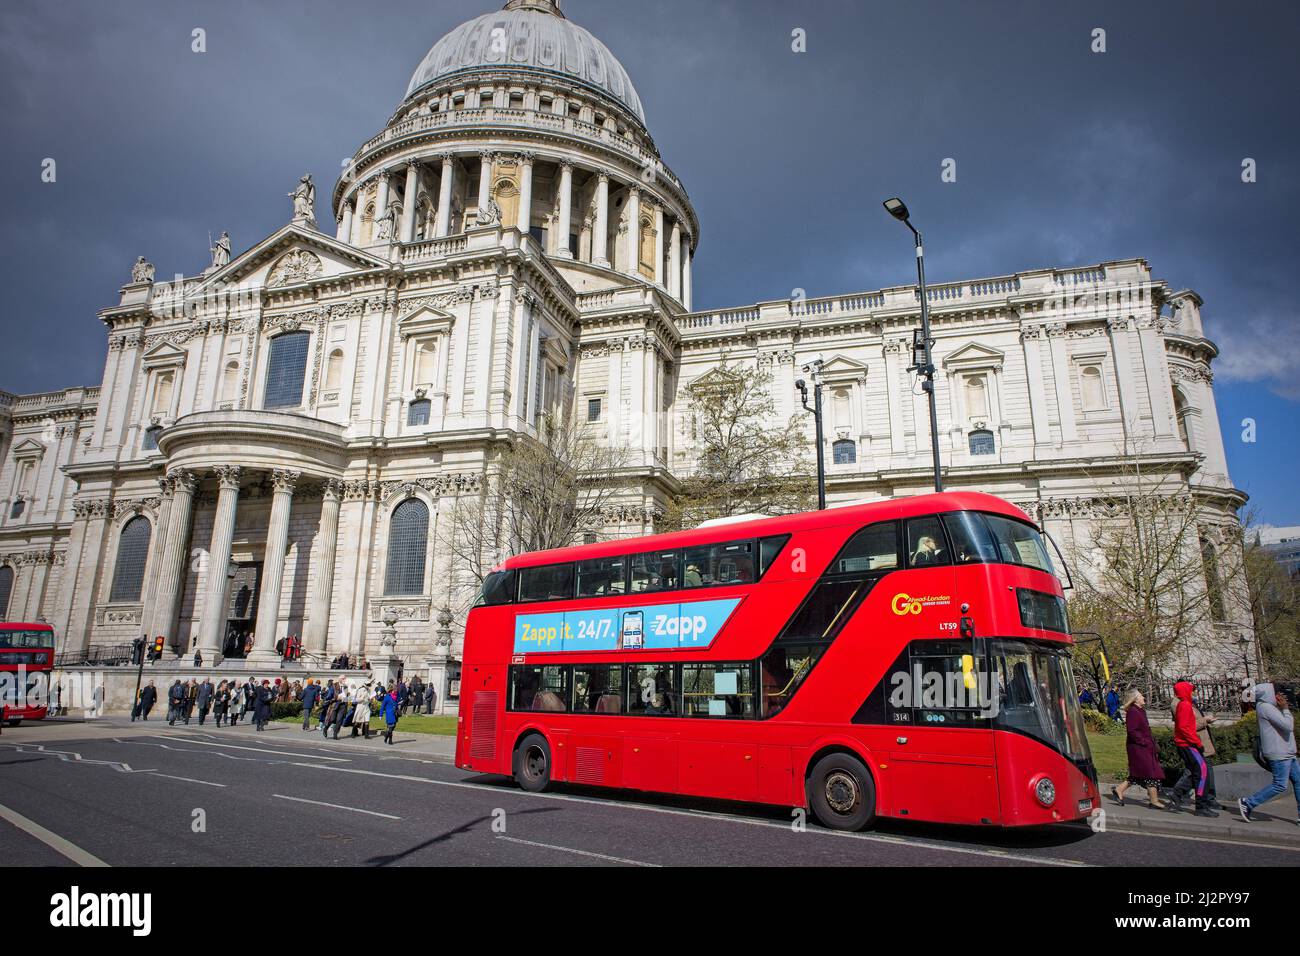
(283, 481)
(183, 480)
(486, 155)
(412, 164)
(227, 477)
(446, 158)
(527, 157)
(566, 163)
(602, 176)
(166, 486)
(333, 489)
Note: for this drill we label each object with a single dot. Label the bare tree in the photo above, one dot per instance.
(747, 460)
(538, 493)
(1161, 570)
(1275, 612)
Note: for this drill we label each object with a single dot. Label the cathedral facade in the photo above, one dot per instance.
(277, 440)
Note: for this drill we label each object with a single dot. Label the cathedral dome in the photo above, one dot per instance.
(534, 36)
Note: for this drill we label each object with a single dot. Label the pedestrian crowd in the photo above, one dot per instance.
(1192, 736)
(334, 704)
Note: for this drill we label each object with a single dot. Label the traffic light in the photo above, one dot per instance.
(137, 651)
(158, 644)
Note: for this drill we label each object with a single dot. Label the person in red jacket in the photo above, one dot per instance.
(1199, 774)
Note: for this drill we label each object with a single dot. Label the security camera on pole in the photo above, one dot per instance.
(921, 343)
(813, 370)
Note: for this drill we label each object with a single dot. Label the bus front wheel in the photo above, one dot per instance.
(533, 763)
(841, 793)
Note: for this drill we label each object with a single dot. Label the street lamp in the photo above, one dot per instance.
(814, 370)
(921, 348)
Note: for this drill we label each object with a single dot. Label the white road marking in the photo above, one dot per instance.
(55, 842)
(187, 779)
(258, 750)
(71, 756)
(569, 849)
(728, 818)
(336, 806)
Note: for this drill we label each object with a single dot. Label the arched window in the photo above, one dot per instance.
(229, 382)
(977, 397)
(334, 369)
(408, 540)
(841, 413)
(151, 437)
(845, 451)
(1180, 413)
(1091, 389)
(132, 553)
(6, 590)
(981, 442)
(286, 370)
(1213, 583)
(17, 508)
(417, 413)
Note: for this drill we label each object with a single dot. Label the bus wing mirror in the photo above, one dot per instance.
(1069, 580)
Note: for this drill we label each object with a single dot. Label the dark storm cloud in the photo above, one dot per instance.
(1063, 156)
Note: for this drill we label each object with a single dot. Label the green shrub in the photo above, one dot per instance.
(282, 710)
(1098, 723)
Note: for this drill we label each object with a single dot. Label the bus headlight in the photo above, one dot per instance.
(1045, 791)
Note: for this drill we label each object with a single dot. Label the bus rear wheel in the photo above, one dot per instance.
(841, 793)
(533, 763)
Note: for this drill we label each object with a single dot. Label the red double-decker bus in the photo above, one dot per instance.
(905, 658)
(26, 659)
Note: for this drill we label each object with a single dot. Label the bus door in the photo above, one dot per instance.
(941, 755)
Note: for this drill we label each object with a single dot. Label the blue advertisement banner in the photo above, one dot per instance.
(690, 624)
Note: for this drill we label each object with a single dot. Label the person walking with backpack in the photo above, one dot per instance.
(1277, 746)
(1199, 774)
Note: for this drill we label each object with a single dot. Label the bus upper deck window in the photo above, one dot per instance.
(874, 548)
(656, 571)
(498, 588)
(971, 541)
(926, 546)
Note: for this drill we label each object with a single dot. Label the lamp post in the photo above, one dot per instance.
(814, 370)
(921, 350)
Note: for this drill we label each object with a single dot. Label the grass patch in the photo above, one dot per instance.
(1109, 755)
(437, 724)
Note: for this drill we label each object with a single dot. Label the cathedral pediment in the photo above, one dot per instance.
(290, 256)
(841, 367)
(974, 355)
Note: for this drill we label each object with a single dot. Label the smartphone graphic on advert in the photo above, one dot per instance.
(632, 634)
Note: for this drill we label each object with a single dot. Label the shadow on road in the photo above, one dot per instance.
(388, 859)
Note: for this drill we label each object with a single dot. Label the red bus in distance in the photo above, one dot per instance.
(906, 658)
(26, 660)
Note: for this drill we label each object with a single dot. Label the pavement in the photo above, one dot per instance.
(109, 792)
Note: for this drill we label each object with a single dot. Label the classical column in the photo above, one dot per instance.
(634, 231)
(600, 243)
(381, 202)
(358, 214)
(442, 225)
(172, 576)
(344, 232)
(675, 262)
(566, 209)
(525, 192)
(277, 545)
(659, 245)
(327, 538)
(211, 630)
(686, 273)
(484, 180)
(408, 202)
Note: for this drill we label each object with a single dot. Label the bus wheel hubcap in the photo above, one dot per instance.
(536, 762)
(841, 791)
